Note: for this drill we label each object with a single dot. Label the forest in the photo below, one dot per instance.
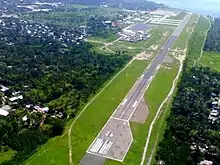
(190, 136)
(213, 39)
(49, 69)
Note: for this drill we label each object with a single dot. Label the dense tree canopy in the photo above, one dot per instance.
(190, 136)
(213, 39)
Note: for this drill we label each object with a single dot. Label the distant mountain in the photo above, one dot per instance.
(127, 4)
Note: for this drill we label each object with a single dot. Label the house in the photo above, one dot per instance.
(16, 98)
(206, 162)
(214, 115)
(25, 118)
(16, 93)
(3, 88)
(40, 109)
(3, 112)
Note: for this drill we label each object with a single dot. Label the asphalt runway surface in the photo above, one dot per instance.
(115, 138)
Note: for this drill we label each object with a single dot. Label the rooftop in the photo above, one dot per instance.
(3, 112)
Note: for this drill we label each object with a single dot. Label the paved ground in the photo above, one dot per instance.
(90, 159)
(168, 59)
(140, 26)
(141, 113)
(115, 139)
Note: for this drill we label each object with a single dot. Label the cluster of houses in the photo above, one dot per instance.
(36, 30)
(133, 36)
(8, 103)
(38, 6)
(215, 109)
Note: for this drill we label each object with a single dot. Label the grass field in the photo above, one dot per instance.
(211, 60)
(4, 156)
(162, 83)
(159, 128)
(179, 16)
(181, 42)
(55, 152)
(196, 40)
(110, 38)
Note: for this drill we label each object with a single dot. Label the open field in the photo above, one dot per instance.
(182, 40)
(179, 16)
(211, 60)
(197, 40)
(160, 124)
(162, 82)
(159, 129)
(6, 155)
(55, 151)
(110, 38)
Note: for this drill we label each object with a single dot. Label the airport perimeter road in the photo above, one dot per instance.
(115, 139)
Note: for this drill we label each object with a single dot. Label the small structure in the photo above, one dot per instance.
(40, 109)
(25, 118)
(3, 88)
(206, 162)
(215, 105)
(16, 98)
(214, 115)
(3, 112)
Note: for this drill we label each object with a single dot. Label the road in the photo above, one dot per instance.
(115, 139)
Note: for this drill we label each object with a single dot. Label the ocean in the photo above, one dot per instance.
(205, 7)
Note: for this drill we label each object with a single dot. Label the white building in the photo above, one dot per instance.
(206, 162)
(3, 112)
(16, 98)
(3, 88)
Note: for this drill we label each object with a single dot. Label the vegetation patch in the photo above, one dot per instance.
(6, 155)
(211, 60)
(190, 136)
(213, 38)
(196, 41)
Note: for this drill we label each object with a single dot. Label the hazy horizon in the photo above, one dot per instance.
(201, 6)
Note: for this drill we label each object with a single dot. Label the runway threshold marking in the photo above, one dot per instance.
(105, 148)
(97, 145)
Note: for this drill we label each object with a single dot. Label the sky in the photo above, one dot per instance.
(202, 6)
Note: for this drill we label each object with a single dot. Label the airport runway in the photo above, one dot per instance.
(115, 139)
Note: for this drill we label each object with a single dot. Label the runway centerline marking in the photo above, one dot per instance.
(135, 104)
